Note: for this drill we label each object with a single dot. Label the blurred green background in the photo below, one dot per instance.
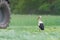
(35, 6)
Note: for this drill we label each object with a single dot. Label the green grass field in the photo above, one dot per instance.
(24, 27)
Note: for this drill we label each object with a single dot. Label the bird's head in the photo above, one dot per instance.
(39, 17)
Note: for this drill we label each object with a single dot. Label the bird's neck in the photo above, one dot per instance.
(39, 20)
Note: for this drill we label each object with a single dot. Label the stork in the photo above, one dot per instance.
(40, 23)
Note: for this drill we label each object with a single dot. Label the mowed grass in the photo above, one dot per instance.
(24, 27)
(31, 20)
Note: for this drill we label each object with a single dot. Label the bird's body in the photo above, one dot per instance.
(40, 22)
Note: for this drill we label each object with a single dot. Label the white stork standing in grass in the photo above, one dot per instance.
(40, 23)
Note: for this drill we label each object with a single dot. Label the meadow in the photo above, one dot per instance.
(24, 27)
